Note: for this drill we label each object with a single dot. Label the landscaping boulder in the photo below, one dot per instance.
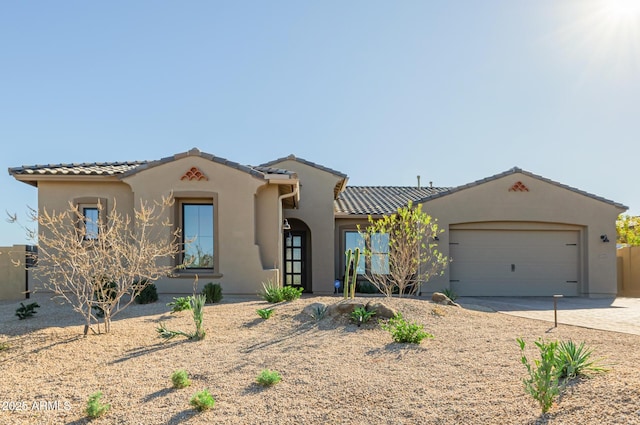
(343, 308)
(442, 299)
(382, 311)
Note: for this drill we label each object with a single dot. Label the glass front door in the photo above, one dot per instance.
(294, 259)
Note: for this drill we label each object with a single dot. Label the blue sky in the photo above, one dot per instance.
(453, 91)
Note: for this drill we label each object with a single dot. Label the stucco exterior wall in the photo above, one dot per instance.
(238, 257)
(316, 211)
(629, 271)
(13, 279)
(543, 206)
(267, 225)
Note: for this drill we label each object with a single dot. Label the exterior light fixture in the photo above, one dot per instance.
(287, 226)
(604, 238)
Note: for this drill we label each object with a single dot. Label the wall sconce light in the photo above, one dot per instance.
(286, 225)
(604, 238)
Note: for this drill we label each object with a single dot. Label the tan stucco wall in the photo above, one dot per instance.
(267, 226)
(316, 211)
(13, 279)
(544, 206)
(629, 271)
(239, 259)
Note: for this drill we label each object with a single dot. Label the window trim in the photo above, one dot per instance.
(197, 197)
(91, 202)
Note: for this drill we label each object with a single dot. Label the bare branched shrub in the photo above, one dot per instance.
(101, 273)
(402, 250)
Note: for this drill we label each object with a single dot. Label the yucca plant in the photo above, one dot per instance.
(197, 303)
(272, 292)
(574, 360)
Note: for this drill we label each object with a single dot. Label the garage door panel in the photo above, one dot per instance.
(514, 262)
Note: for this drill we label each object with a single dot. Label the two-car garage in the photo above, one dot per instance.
(514, 262)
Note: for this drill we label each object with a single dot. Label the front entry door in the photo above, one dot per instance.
(294, 259)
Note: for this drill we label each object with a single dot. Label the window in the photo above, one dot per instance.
(91, 223)
(198, 235)
(380, 253)
(378, 262)
(353, 240)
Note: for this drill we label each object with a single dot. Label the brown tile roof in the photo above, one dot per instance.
(309, 163)
(131, 167)
(85, 169)
(377, 200)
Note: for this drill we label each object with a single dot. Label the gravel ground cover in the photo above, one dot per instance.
(333, 372)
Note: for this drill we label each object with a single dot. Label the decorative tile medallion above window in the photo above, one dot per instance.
(519, 187)
(194, 173)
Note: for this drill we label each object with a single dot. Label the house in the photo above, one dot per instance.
(291, 220)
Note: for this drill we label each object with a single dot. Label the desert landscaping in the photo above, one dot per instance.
(333, 372)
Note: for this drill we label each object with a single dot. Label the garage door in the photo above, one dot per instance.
(514, 262)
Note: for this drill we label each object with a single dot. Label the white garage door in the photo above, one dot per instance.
(514, 262)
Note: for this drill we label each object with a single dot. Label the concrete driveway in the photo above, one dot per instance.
(609, 314)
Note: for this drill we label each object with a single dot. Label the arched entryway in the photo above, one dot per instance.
(297, 255)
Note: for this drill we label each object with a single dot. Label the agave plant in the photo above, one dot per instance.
(575, 360)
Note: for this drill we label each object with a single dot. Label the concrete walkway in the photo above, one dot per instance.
(609, 314)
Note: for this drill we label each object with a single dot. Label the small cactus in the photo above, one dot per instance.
(349, 260)
(356, 261)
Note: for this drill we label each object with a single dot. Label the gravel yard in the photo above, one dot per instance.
(332, 371)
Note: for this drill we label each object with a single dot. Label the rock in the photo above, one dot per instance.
(382, 311)
(343, 308)
(442, 299)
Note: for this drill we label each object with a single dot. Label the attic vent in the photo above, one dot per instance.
(518, 187)
(194, 174)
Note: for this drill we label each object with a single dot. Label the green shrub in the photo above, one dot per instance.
(290, 293)
(449, 293)
(271, 292)
(212, 292)
(180, 379)
(4, 346)
(95, 408)
(202, 400)
(268, 377)
(575, 360)
(405, 332)
(25, 311)
(543, 381)
(265, 313)
(148, 295)
(360, 315)
(366, 288)
(105, 290)
(180, 304)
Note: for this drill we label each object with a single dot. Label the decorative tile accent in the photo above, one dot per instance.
(194, 174)
(518, 187)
